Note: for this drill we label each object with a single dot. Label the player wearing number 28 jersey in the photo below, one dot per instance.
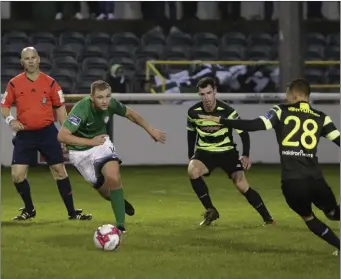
(299, 128)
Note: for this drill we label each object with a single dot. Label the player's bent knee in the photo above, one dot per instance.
(58, 171)
(195, 170)
(239, 180)
(113, 182)
(18, 173)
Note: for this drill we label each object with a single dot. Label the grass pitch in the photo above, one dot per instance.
(164, 239)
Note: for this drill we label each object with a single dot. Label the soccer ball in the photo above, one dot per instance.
(107, 237)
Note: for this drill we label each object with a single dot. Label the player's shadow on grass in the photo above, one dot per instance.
(28, 223)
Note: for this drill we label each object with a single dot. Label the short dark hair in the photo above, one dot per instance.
(99, 85)
(301, 86)
(206, 81)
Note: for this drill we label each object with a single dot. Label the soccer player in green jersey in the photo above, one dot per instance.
(90, 149)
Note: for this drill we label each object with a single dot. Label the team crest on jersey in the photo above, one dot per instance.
(74, 120)
(106, 119)
(268, 115)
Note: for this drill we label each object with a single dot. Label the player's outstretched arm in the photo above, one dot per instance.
(65, 136)
(134, 117)
(244, 125)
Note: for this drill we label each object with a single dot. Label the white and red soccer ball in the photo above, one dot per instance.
(107, 237)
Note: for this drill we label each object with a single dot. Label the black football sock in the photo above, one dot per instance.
(24, 190)
(256, 201)
(200, 188)
(64, 187)
(324, 232)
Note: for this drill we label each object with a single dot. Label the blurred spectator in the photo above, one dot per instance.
(230, 9)
(117, 79)
(63, 7)
(314, 10)
(190, 9)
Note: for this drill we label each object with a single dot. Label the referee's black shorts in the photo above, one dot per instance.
(300, 194)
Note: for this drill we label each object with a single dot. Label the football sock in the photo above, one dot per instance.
(324, 232)
(334, 215)
(64, 187)
(117, 204)
(23, 188)
(200, 188)
(256, 201)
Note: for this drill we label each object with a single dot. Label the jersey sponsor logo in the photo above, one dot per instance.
(61, 96)
(300, 153)
(74, 120)
(210, 129)
(4, 98)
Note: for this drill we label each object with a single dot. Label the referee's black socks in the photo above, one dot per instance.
(324, 232)
(64, 187)
(200, 188)
(24, 190)
(256, 201)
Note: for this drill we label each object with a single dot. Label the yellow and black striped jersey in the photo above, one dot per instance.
(211, 136)
(299, 128)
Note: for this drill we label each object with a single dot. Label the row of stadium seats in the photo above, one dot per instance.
(79, 82)
(176, 52)
(157, 38)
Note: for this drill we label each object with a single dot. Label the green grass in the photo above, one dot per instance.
(164, 239)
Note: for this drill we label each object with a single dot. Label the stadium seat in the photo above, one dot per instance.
(65, 50)
(260, 39)
(66, 62)
(45, 65)
(332, 53)
(205, 38)
(153, 38)
(63, 75)
(125, 38)
(333, 75)
(125, 62)
(315, 39)
(234, 38)
(8, 74)
(12, 50)
(11, 62)
(179, 51)
(43, 37)
(206, 52)
(315, 76)
(98, 39)
(93, 74)
(260, 53)
(3, 86)
(150, 50)
(333, 40)
(93, 51)
(140, 64)
(71, 37)
(179, 38)
(121, 51)
(83, 86)
(44, 49)
(231, 51)
(67, 86)
(16, 37)
(95, 63)
(314, 52)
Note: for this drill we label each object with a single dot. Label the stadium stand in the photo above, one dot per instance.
(75, 59)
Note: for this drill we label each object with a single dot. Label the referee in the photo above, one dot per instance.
(36, 95)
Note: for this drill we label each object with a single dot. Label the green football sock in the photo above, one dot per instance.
(117, 204)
